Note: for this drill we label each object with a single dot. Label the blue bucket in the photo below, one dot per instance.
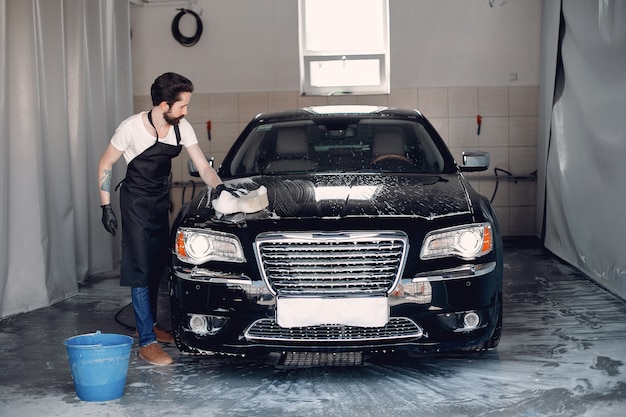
(99, 363)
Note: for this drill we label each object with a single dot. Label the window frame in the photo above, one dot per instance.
(307, 57)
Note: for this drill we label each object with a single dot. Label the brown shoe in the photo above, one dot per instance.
(162, 335)
(155, 354)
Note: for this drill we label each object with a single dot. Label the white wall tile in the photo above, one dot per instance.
(251, 104)
(307, 101)
(404, 98)
(282, 100)
(372, 100)
(523, 193)
(523, 131)
(493, 101)
(523, 100)
(198, 111)
(494, 131)
(345, 99)
(223, 107)
(463, 101)
(463, 133)
(433, 101)
(523, 160)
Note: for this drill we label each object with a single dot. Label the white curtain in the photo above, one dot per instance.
(65, 82)
(584, 154)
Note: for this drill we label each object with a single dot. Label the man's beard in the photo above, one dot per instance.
(172, 120)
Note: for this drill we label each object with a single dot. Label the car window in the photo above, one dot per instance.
(337, 145)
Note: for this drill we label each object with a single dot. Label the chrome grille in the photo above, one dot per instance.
(331, 263)
(267, 330)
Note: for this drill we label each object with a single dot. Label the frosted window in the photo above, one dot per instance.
(344, 47)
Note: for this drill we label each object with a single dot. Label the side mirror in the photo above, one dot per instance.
(191, 167)
(474, 161)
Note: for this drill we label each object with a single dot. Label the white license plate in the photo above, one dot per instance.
(356, 311)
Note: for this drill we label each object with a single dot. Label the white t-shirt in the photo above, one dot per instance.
(132, 138)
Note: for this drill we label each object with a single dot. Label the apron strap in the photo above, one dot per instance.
(152, 124)
(177, 132)
(176, 129)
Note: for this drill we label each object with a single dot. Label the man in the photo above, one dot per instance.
(148, 141)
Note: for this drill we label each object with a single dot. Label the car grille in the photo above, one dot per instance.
(331, 263)
(397, 328)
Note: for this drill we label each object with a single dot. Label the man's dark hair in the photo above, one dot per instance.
(168, 87)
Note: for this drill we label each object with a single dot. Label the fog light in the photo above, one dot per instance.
(471, 320)
(206, 325)
(198, 324)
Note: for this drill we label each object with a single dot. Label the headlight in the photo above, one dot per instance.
(197, 246)
(467, 242)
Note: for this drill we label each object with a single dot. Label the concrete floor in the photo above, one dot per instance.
(562, 353)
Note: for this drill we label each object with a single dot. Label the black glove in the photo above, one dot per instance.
(108, 219)
(222, 187)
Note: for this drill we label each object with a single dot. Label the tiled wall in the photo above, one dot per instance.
(508, 133)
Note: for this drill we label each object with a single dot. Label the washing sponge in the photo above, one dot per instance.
(248, 202)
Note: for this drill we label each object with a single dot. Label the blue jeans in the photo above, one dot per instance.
(143, 315)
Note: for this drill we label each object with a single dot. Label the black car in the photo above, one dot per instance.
(351, 229)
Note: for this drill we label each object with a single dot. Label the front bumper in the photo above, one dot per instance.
(449, 309)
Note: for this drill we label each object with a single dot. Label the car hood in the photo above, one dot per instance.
(426, 196)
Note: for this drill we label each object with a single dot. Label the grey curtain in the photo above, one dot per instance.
(582, 137)
(65, 78)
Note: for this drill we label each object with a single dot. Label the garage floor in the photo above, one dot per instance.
(562, 353)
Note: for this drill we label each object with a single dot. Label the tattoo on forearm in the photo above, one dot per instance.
(105, 180)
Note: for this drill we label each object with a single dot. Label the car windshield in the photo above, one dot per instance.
(337, 145)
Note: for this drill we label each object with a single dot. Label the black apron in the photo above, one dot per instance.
(144, 203)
